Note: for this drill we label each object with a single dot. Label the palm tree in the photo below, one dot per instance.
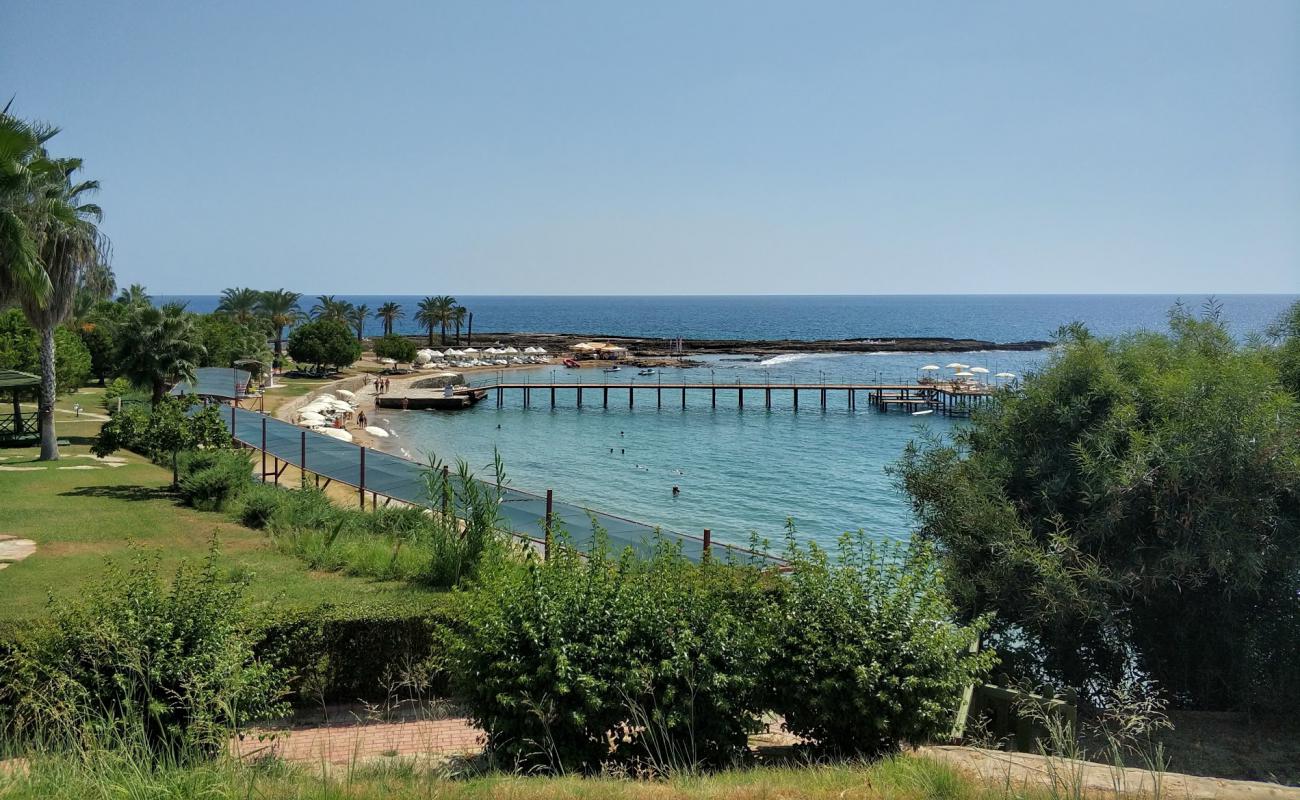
(22, 150)
(134, 295)
(45, 213)
(444, 304)
(280, 307)
(357, 316)
(330, 307)
(458, 318)
(429, 315)
(469, 333)
(159, 346)
(389, 312)
(241, 305)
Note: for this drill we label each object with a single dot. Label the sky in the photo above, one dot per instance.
(678, 147)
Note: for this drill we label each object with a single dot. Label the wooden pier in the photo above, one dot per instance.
(944, 398)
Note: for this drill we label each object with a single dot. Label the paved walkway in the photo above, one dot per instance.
(352, 736)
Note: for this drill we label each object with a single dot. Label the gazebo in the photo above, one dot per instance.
(14, 427)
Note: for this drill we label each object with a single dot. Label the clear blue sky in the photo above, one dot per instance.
(679, 147)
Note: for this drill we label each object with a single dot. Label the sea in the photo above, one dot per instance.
(752, 472)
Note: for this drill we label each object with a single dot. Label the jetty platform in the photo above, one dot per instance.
(952, 399)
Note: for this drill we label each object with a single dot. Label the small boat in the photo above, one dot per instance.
(612, 369)
(571, 364)
(646, 371)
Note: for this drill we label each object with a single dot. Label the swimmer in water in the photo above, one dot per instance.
(676, 491)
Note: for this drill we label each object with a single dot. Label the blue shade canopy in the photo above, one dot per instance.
(226, 383)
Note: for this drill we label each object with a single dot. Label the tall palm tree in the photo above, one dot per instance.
(159, 346)
(330, 307)
(444, 304)
(280, 307)
(389, 312)
(22, 151)
(429, 315)
(357, 316)
(61, 226)
(134, 295)
(458, 318)
(240, 304)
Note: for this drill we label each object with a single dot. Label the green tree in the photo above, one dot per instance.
(163, 430)
(225, 340)
(330, 307)
(398, 348)
(324, 343)
(20, 349)
(240, 304)
(429, 316)
(102, 347)
(22, 169)
(158, 347)
(458, 318)
(1285, 334)
(280, 307)
(134, 295)
(357, 316)
(389, 312)
(46, 214)
(1131, 510)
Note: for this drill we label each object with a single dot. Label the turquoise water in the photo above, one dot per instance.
(740, 471)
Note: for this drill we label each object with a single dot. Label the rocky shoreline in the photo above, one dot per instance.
(652, 347)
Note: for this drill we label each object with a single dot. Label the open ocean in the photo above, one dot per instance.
(743, 471)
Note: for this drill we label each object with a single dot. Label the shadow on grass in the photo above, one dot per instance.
(124, 492)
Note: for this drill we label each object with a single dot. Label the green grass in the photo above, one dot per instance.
(79, 517)
(110, 775)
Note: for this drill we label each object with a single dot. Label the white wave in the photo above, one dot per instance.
(786, 358)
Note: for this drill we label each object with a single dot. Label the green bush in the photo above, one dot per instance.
(586, 659)
(210, 479)
(343, 654)
(398, 348)
(255, 507)
(867, 656)
(141, 662)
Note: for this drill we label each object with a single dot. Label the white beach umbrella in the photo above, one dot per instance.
(530, 349)
(1005, 375)
(376, 431)
(963, 374)
(336, 433)
(323, 396)
(491, 351)
(434, 354)
(469, 350)
(339, 405)
(454, 352)
(387, 361)
(930, 368)
(539, 349)
(979, 370)
(345, 394)
(316, 407)
(311, 424)
(955, 365)
(510, 350)
(311, 416)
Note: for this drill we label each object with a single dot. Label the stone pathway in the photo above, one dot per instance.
(14, 549)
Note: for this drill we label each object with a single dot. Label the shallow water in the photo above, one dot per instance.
(739, 471)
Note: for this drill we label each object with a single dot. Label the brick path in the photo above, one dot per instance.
(347, 739)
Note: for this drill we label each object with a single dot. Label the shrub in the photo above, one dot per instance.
(344, 654)
(212, 478)
(586, 659)
(257, 505)
(163, 431)
(867, 655)
(167, 667)
(398, 348)
(324, 343)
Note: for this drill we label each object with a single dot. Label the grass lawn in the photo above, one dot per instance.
(77, 517)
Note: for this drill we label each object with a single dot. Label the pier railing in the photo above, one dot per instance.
(379, 477)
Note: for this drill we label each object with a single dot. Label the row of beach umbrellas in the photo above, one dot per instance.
(966, 370)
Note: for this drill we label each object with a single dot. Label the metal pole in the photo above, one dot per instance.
(303, 460)
(263, 449)
(361, 489)
(708, 546)
(233, 438)
(546, 552)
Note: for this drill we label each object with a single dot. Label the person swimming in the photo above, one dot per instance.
(676, 491)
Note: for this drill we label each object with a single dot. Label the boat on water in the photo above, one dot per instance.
(612, 369)
(571, 364)
(646, 371)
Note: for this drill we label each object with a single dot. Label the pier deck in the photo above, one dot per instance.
(947, 398)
